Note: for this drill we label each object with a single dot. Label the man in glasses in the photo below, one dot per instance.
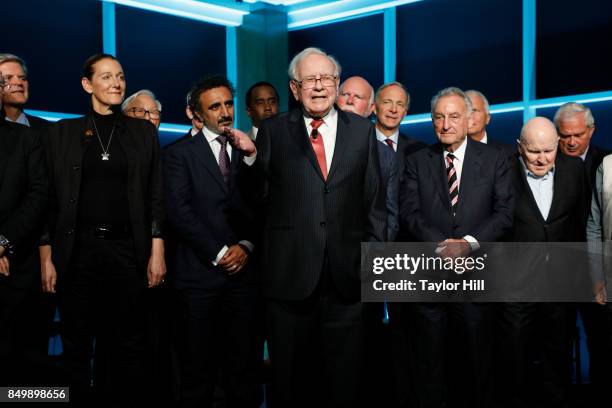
(143, 105)
(318, 179)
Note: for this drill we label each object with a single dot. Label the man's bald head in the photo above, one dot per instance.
(356, 95)
(538, 145)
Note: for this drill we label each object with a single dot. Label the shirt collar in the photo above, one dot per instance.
(21, 119)
(485, 138)
(530, 175)
(209, 134)
(327, 119)
(460, 152)
(381, 137)
(583, 155)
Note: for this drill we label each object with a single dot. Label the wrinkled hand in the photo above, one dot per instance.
(2, 249)
(156, 270)
(4, 266)
(234, 259)
(48, 276)
(453, 248)
(599, 290)
(240, 141)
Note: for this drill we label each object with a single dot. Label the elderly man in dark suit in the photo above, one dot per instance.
(214, 279)
(319, 181)
(456, 193)
(549, 188)
(23, 197)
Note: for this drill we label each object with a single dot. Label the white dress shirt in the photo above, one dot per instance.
(328, 132)
(22, 119)
(542, 188)
(380, 136)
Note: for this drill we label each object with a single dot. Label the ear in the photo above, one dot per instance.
(189, 113)
(86, 85)
(294, 90)
(591, 131)
(488, 119)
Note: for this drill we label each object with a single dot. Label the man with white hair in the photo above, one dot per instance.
(549, 191)
(356, 95)
(481, 117)
(456, 193)
(143, 105)
(318, 176)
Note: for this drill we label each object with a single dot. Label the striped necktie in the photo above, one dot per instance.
(453, 182)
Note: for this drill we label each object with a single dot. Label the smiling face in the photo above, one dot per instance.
(450, 120)
(217, 109)
(391, 107)
(574, 134)
(14, 75)
(317, 101)
(106, 86)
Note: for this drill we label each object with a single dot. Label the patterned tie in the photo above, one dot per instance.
(317, 146)
(389, 143)
(224, 160)
(453, 181)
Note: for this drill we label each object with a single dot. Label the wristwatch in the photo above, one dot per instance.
(8, 248)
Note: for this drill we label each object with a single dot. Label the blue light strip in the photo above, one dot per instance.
(192, 9)
(390, 39)
(583, 98)
(300, 18)
(231, 62)
(174, 128)
(109, 43)
(529, 57)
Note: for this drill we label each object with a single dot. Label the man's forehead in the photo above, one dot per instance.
(451, 103)
(144, 100)
(315, 64)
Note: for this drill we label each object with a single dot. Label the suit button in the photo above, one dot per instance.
(326, 190)
(76, 167)
(72, 201)
(323, 224)
(70, 232)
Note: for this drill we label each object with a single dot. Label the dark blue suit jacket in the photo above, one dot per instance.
(486, 196)
(391, 170)
(204, 213)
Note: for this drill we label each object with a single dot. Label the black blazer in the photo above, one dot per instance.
(511, 152)
(564, 223)
(307, 218)
(23, 198)
(393, 174)
(204, 214)
(66, 143)
(37, 123)
(486, 199)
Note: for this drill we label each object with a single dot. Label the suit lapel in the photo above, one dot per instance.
(298, 130)
(528, 194)
(472, 163)
(5, 148)
(126, 145)
(207, 157)
(437, 169)
(342, 139)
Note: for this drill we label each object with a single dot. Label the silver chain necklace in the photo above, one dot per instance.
(105, 154)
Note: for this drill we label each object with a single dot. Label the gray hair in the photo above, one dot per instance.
(484, 99)
(292, 71)
(451, 91)
(13, 58)
(145, 92)
(570, 109)
(398, 84)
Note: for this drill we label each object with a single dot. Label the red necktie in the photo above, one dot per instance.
(317, 146)
(389, 143)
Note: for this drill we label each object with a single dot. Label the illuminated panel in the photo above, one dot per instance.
(337, 11)
(195, 10)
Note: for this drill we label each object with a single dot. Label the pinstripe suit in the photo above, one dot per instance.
(311, 253)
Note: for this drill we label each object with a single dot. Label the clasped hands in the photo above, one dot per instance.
(453, 248)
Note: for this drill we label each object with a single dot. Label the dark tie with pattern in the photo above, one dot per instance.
(389, 143)
(317, 145)
(224, 160)
(453, 181)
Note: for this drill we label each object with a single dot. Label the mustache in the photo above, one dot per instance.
(225, 119)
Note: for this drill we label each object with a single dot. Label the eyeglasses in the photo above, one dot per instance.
(310, 82)
(141, 113)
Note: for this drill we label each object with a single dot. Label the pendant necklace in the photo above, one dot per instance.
(105, 154)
